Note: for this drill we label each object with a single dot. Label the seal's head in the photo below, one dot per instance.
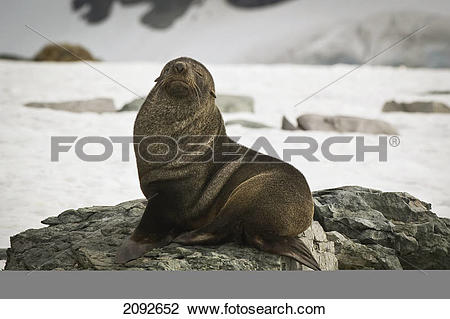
(185, 77)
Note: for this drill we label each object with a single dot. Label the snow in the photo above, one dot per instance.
(33, 187)
(2, 264)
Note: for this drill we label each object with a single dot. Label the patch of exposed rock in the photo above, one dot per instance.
(88, 238)
(133, 106)
(416, 107)
(340, 123)
(63, 52)
(234, 103)
(382, 230)
(365, 229)
(99, 105)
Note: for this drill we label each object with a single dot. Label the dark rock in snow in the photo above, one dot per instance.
(99, 105)
(414, 107)
(338, 123)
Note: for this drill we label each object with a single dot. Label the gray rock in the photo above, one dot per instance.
(287, 125)
(366, 229)
(362, 221)
(353, 255)
(2, 253)
(134, 105)
(340, 123)
(13, 57)
(438, 92)
(247, 123)
(234, 103)
(422, 107)
(99, 105)
(88, 238)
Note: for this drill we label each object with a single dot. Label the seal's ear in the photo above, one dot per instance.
(157, 79)
(212, 93)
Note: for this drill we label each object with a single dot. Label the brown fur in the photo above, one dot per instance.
(264, 205)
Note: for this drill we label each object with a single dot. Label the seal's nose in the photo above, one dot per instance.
(179, 66)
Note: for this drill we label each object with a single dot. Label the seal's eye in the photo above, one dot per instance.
(198, 72)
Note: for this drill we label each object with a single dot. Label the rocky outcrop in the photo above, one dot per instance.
(2, 253)
(247, 123)
(339, 123)
(414, 107)
(225, 103)
(63, 52)
(133, 106)
(364, 229)
(234, 103)
(287, 125)
(99, 105)
(88, 238)
(382, 230)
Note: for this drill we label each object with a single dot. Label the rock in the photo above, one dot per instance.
(234, 103)
(2, 253)
(247, 123)
(352, 255)
(362, 221)
(63, 52)
(99, 105)
(253, 3)
(286, 125)
(88, 238)
(13, 57)
(134, 105)
(365, 229)
(422, 107)
(340, 123)
(438, 92)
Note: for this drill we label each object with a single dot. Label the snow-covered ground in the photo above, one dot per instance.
(33, 187)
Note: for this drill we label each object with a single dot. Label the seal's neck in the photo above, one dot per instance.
(176, 118)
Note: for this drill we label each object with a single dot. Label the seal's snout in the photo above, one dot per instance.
(179, 67)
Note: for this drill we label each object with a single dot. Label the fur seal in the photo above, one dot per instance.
(227, 192)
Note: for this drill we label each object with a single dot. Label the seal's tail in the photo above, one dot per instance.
(286, 246)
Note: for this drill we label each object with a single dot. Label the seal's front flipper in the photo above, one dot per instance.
(285, 246)
(131, 249)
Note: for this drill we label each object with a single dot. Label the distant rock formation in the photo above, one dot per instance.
(421, 107)
(162, 13)
(365, 229)
(234, 103)
(247, 123)
(133, 106)
(339, 123)
(357, 42)
(99, 105)
(253, 3)
(63, 52)
(287, 125)
(12, 57)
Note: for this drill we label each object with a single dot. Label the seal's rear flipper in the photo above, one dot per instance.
(286, 246)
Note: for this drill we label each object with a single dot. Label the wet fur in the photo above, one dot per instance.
(263, 205)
